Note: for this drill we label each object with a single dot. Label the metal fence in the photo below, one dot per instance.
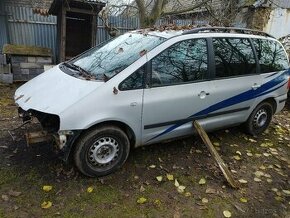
(22, 27)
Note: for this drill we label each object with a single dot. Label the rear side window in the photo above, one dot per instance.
(271, 55)
(233, 57)
(183, 62)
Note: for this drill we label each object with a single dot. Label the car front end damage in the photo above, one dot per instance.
(61, 140)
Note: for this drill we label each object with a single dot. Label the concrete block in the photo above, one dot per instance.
(48, 67)
(25, 71)
(16, 69)
(21, 77)
(36, 71)
(30, 65)
(6, 78)
(44, 60)
(18, 59)
(31, 59)
(5, 69)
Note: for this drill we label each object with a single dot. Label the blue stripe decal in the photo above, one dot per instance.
(245, 96)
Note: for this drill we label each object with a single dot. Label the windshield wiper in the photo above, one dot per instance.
(83, 72)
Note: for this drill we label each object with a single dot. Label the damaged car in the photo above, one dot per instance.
(147, 86)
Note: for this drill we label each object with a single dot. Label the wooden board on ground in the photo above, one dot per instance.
(225, 170)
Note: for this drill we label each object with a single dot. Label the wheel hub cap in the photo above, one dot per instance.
(260, 118)
(104, 151)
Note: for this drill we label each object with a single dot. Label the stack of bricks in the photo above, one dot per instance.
(27, 62)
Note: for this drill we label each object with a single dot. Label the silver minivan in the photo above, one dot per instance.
(144, 87)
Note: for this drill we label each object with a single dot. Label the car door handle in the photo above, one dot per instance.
(203, 94)
(256, 86)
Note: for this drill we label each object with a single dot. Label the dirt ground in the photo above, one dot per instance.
(262, 163)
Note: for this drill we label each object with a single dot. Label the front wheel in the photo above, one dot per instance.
(101, 151)
(260, 119)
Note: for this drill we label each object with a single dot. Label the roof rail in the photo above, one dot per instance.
(227, 29)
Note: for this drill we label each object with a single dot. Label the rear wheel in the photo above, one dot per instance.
(101, 151)
(260, 118)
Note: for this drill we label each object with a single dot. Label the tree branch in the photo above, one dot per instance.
(198, 5)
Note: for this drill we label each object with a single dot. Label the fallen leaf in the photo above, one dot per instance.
(227, 213)
(180, 188)
(262, 167)
(266, 154)
(237, 157)
(160, 160)
(210, 191)
(90, 189)
(259, 173)
(252, 140)
(47, 188)
(5, 197)
(244, 200)
(157, 203)
(170, 177)
(216, 144)
(187, 194)
(257, 179)
(142, 189)
(204, 200)
(243, 181)
(152, 166)
(269, 180)
(249, 154)
(14, 193)
(159, 178)
(202, 181)
(287, 192)
(176, 183)
(46, 204)
(141, 200)
(274, 189)
(239, 153)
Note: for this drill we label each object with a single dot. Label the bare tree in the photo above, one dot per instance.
(149, 11)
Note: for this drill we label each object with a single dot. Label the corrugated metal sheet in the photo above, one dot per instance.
(3, 32)
(26, 28)
(124, 24)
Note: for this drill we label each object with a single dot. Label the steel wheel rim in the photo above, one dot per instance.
(260, 118)
(103, 152)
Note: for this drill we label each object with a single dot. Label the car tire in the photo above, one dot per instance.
(260, 119)
(101, 151)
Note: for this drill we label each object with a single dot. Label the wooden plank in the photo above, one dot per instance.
(225, 170)
(82, 11)
(94, 31)
(63, 35)
(26, 50)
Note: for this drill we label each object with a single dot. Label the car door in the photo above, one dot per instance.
(235, 82)
(178, 90)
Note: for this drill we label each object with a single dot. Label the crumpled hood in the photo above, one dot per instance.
(53, 91)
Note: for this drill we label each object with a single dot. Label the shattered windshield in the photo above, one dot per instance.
(106, 60)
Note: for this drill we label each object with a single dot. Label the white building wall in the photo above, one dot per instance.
(279, 23)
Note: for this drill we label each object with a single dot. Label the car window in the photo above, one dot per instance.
(271, 55)
(134, 81)
(233, 57)
(183, 62)
(106, 60)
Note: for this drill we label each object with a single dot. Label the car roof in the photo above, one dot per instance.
(207, 32)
